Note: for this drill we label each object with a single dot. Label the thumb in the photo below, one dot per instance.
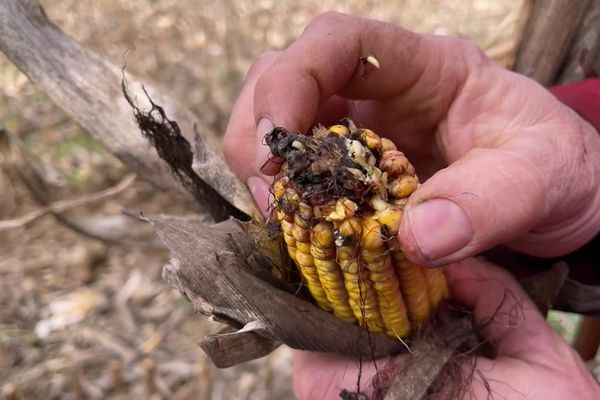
(494, 196)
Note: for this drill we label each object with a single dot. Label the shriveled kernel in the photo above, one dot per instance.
(344, 209)
(403, 186)
(323, 210)
(394, 163)
(370, 139)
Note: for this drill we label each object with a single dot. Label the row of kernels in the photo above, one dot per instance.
(381, 274)
(324, 253)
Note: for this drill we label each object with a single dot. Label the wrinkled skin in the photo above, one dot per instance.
(505, 163)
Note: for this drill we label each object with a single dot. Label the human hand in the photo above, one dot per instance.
(507, 162)
(531, 360)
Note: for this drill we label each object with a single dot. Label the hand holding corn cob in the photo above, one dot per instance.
(505, 162)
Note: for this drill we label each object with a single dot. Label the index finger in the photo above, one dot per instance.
(418, 74)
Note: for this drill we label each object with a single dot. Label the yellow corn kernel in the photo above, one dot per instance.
(340, 130)
(437, 290)
(278, 187)
(403, 186)
(390, 218)
(394, 163)
(370, 139)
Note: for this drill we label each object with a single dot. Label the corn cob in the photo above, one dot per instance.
(339, 200)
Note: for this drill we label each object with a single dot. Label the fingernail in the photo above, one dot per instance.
(439, 227)
(263, 154)
(260, 191)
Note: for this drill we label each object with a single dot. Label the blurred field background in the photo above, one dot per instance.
(81, 318)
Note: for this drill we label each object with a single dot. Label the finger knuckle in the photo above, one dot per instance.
(472, 53)
(469, 51)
